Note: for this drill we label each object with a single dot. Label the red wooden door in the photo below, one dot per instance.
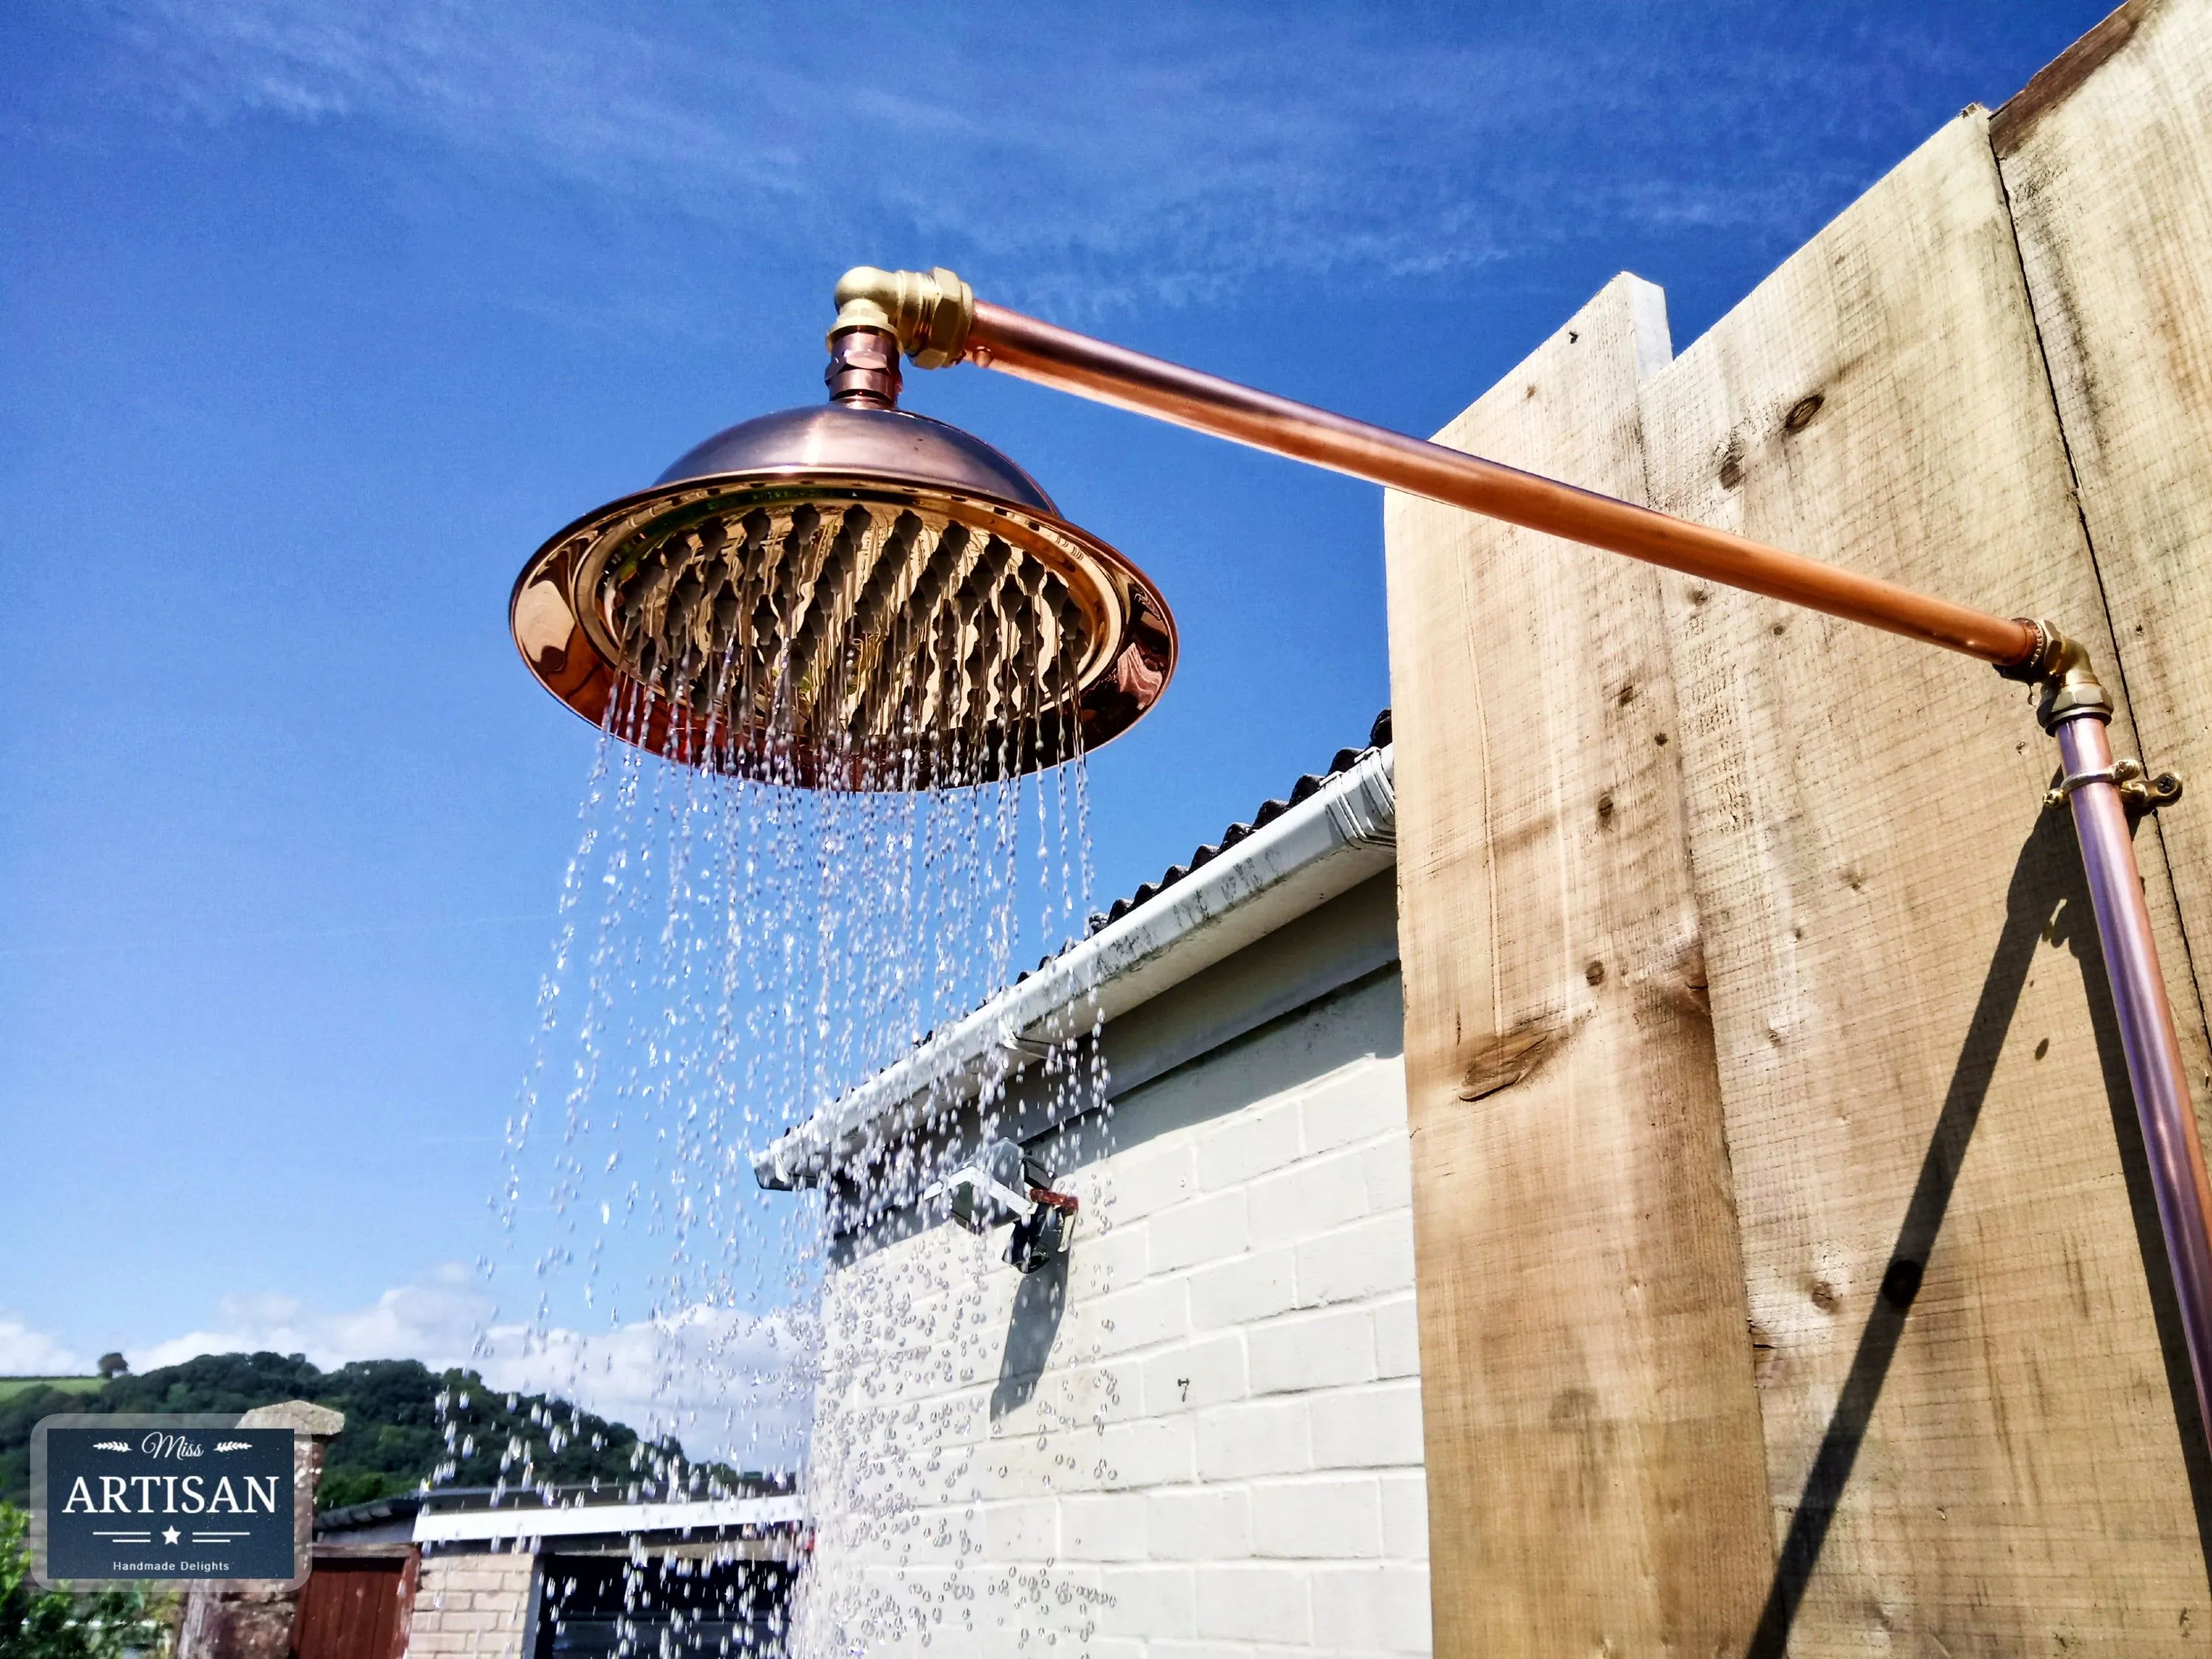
(355, 1606)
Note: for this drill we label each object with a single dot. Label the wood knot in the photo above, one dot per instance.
(1516, 1055)
(1802, 411)
(1682, 985)
(1765, 1358)
(1731, 472)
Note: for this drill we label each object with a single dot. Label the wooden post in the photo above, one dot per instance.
(1596, 1474)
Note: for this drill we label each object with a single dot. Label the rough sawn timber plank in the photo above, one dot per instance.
(1971, 1431)
(2109, 170)
(1595, 1464)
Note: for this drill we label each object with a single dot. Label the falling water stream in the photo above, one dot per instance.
(874, 816)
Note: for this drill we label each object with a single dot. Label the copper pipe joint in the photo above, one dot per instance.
(864, 368)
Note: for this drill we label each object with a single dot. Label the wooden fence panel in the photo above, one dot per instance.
(1596, 1470)
(1971, 1435)
(2107, 158)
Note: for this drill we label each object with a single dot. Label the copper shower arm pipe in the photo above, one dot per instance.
(936, 319)
(1016, 344)
(2075, 708)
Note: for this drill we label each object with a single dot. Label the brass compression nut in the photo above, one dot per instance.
(2061, 666)
(927, 311)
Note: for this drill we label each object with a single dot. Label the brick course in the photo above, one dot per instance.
(473, 1604)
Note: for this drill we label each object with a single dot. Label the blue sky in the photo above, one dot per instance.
(317, 319)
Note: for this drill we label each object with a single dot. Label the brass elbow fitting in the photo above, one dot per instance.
(2061, 666)
(927, 313)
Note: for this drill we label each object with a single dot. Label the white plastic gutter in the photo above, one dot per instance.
(571, 1520)
(1339, 836)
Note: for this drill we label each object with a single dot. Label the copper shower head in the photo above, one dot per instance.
(845, 597)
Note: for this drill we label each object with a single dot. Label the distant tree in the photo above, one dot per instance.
(113, 1365)
(50, 1624)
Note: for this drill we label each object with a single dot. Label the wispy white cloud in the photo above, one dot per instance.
(1080, 154)
(727, 1384)
(27, 1353)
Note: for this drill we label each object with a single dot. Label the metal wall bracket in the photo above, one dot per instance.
(2140, 794)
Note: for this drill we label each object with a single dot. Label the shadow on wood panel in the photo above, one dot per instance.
(2047, 894)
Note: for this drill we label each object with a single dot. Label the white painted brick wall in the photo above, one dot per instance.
(1320, 1350)
(1256, 1140)
(1274, 1437)
(1311, 1196)
(1379, 1609)
(1405, 1516)
(1220, 1456)
(1398, 1333)
(1256, 1603)
(474, 1604)
(1375, 1428)
(1363, 1263)
(1337, 1519)
(1244, 1289)
(1199, 1234)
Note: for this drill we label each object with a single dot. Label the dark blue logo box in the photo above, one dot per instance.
(147, 1498)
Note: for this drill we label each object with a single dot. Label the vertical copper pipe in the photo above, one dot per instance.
(2171, 1142)
(1008, 341)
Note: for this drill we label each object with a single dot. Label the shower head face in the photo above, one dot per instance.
(845, 599)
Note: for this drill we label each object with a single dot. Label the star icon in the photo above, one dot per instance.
(169, 1535)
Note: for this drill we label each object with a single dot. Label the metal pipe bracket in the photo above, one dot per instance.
(2138, 794)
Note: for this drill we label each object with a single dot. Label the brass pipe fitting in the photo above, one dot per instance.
(927, 313)
(2061, 666)
(2071, 691)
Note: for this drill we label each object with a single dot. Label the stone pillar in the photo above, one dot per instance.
(228, 1619)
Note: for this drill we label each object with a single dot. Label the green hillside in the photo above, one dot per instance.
(12, 1386)
(394, 1438)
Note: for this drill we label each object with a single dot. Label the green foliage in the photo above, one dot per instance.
(396, 1435)
(48, 1623)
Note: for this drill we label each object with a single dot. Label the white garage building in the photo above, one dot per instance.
(1199, 1432)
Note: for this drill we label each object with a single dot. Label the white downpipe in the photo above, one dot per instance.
(1340, 835)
